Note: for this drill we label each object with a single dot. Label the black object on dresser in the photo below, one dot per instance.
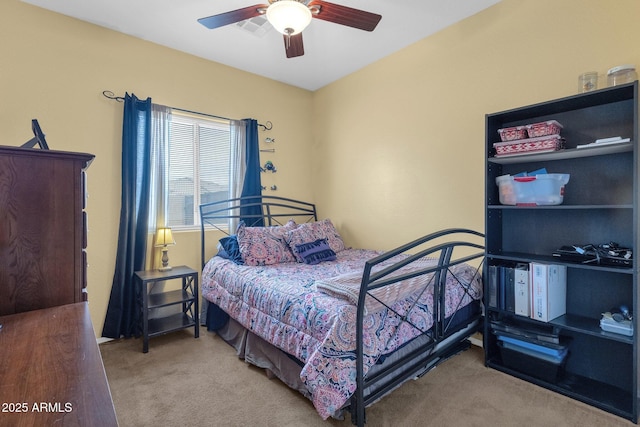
(600, 205)
(186, 297)
(43, 234)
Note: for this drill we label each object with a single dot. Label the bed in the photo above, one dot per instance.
(343, 326)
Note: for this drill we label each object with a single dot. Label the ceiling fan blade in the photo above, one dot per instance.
(344, 15)
(293, 46)
(233, 16)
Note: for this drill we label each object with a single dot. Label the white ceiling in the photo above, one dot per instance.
(332, 51)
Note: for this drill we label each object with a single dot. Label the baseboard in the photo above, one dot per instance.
(103, 340)
(476, 339)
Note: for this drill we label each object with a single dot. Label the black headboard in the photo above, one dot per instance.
(273, 210)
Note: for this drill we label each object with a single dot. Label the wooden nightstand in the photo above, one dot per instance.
(187, 296)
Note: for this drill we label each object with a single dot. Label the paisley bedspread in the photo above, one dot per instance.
(281, 304)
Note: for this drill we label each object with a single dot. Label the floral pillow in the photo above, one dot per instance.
(265, 245)
(312, 231)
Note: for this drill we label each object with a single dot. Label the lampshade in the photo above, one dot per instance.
(164, 237)
(289, 16)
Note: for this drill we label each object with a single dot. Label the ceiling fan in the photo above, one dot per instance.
(290, 17)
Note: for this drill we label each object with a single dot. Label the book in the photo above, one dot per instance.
(509, 284)
(532, 338)
(502, 288)
(522, 290)
(530, 332)
(553, 358)
(548, 291)
(492, 297)
(555, 351)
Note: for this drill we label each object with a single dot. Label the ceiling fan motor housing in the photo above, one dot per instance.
(289, 17)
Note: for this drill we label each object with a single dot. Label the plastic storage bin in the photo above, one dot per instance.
(545, 189)
(550, 127)
(543, 144)
(539, 360)
(608, 324)
(513, 133)
(530, 365)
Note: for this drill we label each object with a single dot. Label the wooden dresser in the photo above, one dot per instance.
(42, 228)
(51, 371)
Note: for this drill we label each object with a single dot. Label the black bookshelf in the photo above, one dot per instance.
(600, 205)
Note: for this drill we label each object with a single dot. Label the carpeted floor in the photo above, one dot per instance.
(200, 382)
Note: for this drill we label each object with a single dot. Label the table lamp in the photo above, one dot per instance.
(164, 238)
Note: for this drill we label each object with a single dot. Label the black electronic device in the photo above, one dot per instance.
(38, 137)
(610, 254)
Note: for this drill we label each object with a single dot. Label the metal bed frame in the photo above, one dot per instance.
(273, 210)
(446, 337)
(428, 355)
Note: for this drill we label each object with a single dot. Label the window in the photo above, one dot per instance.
(199, 166)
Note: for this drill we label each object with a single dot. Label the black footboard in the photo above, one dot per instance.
(447, 335)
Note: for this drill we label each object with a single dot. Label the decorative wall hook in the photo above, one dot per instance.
(274, 187)
(111, 95)
(269, 166)
(269, 140)
(267, 126)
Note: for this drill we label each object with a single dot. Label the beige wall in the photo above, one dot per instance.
(55, 68)
(395, 150)
(401, 143)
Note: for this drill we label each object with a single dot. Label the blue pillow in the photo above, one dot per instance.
(230, 249)
(315, 252)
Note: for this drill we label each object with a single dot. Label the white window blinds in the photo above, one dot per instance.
(199, 166)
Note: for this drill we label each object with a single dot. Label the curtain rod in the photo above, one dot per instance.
(111, 95)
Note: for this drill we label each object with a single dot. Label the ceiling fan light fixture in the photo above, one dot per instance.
(289, 17)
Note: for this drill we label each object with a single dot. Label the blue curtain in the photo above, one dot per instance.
(252, 184)
(123, 316)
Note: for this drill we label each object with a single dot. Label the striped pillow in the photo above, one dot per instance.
(312, 231)
(315, 252)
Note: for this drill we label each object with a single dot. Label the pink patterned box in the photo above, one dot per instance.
(513, 133)
(550, 127)
(529, 146)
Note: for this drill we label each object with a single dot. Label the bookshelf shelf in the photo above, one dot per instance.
(600, 206)
(587, 325)
(564, 154)
(529, 257)
(596, 393)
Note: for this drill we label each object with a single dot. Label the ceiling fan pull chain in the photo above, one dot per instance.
(288, 39)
